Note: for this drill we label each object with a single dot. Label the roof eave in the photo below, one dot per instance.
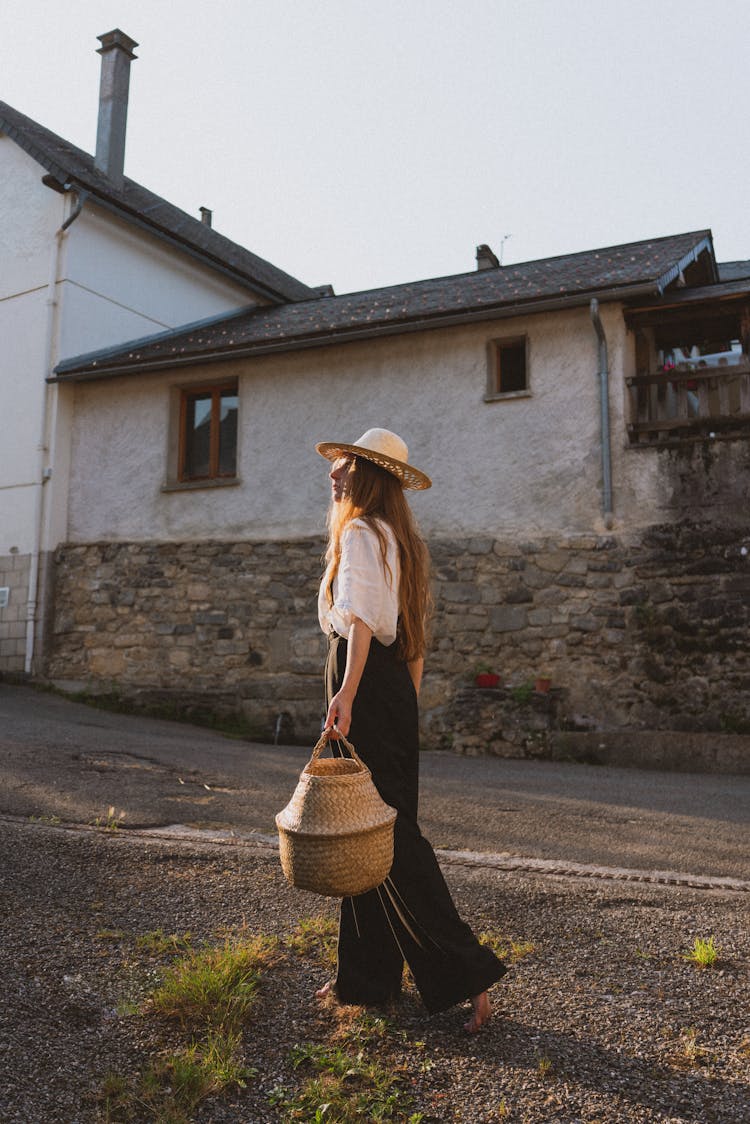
(121, 210)
(674, 271)
(347, 335)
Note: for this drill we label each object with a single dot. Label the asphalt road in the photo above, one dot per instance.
(69, 761)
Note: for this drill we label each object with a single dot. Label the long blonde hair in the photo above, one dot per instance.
(373, 495)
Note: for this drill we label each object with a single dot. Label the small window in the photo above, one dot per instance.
(507, 373)
(208, 433)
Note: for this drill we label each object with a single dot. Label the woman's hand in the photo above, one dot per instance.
(357, 649)
(340, 712)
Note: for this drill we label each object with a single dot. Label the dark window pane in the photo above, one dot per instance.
(198, 437)
(228, 435)
(511, 361)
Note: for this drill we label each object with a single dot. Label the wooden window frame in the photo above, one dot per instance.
(493, 392)
(216, 391)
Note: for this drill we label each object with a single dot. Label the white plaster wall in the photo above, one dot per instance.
(31, 214)
(517, 466)
(115, 283)
(123, 283)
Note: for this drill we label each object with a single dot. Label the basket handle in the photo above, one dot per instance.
(325, 737)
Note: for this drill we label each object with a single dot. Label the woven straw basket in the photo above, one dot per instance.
(336, 833)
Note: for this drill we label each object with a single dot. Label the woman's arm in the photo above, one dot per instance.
(416, 667)
(357, 649)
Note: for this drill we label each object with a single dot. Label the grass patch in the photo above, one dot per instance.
(345, 1081)
(170, 1089)
(704, 953)
(214, 987)
(507, 948)
(159, 943)
(345, 1088)
(210, 993)
(315, 937)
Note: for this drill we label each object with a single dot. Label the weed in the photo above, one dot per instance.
(127, 1007)
(732, 723)
(112, 822)
(159, 943)
(360, 1028)
(209, 991)
(50, 821)
(506, 948)
(315, 937)
(345, 1088)
(690, 1053)
(703, 953)
(214, 987)
(544, 1067)
(523, 694)
(110, 935)
(173, 1085)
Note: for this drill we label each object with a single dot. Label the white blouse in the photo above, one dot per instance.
(362, 587)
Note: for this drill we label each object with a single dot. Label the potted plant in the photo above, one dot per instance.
(484, 676)
(542, 684)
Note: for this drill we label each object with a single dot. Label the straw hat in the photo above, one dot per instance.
(383, 448)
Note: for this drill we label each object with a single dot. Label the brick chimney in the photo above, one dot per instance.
(117, 54)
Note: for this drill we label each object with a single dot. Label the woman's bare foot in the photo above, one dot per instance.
(324, 991)
(480, 1014)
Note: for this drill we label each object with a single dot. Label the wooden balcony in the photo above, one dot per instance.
(689, 404)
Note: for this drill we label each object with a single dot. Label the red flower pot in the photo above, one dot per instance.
(487, 679)
(542, 685)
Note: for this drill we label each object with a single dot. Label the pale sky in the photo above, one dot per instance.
(370, 142)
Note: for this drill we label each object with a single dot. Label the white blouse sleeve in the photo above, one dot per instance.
(363, 587)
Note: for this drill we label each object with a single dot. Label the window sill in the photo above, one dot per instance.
(198, 485)
(508, 394)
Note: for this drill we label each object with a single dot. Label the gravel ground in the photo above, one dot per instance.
(603, 1022)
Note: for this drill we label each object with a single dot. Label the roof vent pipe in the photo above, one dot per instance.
(207, 216)
(117, 54)
(486, 259)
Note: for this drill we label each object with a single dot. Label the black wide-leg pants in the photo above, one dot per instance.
(412, 917)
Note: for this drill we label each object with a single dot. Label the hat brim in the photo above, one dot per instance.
(409, 476)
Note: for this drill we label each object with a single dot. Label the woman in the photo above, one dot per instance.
(373, 604)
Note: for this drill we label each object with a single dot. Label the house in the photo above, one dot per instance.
(586, 423)
(585, 420)
(88, 258)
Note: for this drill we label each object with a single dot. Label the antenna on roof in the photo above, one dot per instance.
(503, 240)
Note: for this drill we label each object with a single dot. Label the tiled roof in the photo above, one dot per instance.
(68, 164)
(617, 272)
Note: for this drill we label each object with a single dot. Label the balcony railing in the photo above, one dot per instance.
(687, 403)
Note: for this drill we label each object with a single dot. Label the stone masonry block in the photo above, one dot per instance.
(462, 592)
(585, 623)
(508, 618)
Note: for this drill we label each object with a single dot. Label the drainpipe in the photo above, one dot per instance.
(607, 512)
(44, 472)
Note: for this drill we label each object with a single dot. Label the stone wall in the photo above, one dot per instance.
(14, 575)
(221, 626)
(645, 632)
(648, 632)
